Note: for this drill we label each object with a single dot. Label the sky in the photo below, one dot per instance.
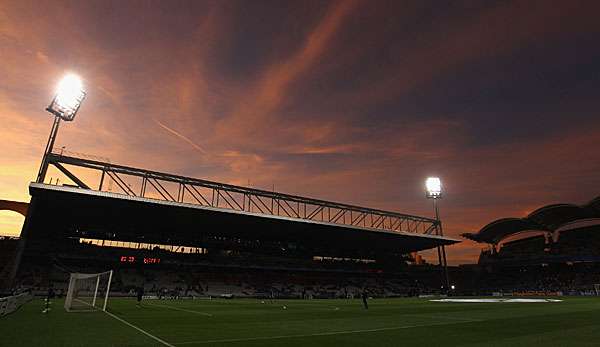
(351, 101)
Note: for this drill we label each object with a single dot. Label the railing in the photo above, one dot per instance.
(12, 303)
(62, 151)
(167, 187)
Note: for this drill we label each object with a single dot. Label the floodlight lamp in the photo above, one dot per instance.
(68, 99)
(434, 187)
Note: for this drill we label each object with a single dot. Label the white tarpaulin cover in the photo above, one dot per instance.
(496, 300)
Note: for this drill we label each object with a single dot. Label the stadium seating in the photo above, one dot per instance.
(528, 265)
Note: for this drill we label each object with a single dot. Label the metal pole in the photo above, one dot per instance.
(107, 290)
(96, 291)
(49, 145)
(441, 249)
(101, 181)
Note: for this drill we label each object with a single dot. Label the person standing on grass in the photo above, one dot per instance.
(48, 298)
(140, 295)
(364, 299)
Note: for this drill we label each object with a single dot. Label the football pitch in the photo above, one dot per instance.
(248, 322)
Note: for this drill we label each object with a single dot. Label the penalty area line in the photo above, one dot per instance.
(181, 309)
(140, 330)
(331, 333)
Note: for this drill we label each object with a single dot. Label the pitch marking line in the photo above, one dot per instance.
(343, 332)
(459, 319)
(181, 309)
(131, 325)
(140, 330)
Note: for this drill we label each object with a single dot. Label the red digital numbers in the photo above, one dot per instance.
(151, 260)
(127, 259)
(131, 259)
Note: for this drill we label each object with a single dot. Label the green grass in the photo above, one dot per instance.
(388, 322)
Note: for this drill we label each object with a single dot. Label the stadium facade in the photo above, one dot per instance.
(144, 220)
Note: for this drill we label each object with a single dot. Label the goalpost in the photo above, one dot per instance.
(88, 292)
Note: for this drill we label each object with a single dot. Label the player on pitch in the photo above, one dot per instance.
(364, 296)
(140, 295)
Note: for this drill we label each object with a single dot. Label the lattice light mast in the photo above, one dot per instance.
(66, 103)
(433, 189)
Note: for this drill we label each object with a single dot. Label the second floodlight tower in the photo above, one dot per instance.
(433, 190)
(66, 103)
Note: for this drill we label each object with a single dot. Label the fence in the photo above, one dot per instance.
(12, 303)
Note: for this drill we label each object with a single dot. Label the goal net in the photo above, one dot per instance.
(88, 292)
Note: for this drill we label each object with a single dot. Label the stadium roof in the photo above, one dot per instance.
(500, 229)
(548, 218)
(551, 217)
(76, 211)
(594, 204)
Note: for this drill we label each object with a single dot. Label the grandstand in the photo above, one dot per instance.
(554, 249)
(205, 238)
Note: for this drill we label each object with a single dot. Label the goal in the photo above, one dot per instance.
(88, 292)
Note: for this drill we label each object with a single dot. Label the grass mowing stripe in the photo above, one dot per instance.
(574, 322)
(181, 309)
(331, 333)
(139, 329)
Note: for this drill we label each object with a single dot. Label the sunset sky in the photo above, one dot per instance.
(352, 101)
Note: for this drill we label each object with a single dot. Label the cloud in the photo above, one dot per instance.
(336, 103)
(326, 149)
(42, 58)
(453, 43)
(269, 91)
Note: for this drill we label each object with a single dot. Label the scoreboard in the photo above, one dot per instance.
(130, 259)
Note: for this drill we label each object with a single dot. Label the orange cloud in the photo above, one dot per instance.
(327, 120)
(271, 88)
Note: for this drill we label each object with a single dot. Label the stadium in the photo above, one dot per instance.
(219, 264)
(434, 162)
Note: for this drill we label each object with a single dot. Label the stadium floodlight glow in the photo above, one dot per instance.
(66, 103)
(68, 99)
(434, 187)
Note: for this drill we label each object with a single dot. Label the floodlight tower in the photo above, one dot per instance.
(433, 187)
(66, 103)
